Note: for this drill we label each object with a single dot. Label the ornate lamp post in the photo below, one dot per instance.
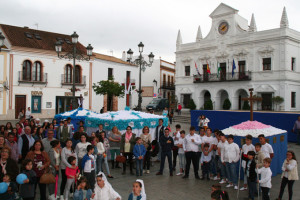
(142, 64)
(2, 38)
(75, 56)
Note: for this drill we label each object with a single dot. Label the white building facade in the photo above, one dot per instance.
(32, 75)
(267, 61)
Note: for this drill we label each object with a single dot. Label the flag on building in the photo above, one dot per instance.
(219, 69)
(207, 69)
(197, 69)
(233, 67)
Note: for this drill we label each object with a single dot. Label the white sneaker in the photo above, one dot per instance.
(229, 185)
(216, 178)
(61, 197)
(71, 195)
(243, 188)
(144, 171)
(148, 171)
(52, 197)
(236, 187)
(222, 181)
(179, 174)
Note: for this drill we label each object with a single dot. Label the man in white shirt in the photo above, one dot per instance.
(266, 148)
(176, 136)
(231, 156)
(190, 147)
(28, 113)
(221, 146)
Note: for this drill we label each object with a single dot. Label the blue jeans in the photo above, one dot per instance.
(182, 162)
(231, 172)
(251, 188)
(100, 160)
(159, 153)
(139, 167)
(223, 169)
(165, 154)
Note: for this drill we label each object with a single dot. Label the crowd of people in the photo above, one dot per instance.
(48, 150)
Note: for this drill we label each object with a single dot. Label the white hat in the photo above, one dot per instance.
(37, 119)
(46, 120)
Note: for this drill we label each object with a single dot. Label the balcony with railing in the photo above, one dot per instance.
(222, 77)
(67, 80)
(168, 85)
(32, 78)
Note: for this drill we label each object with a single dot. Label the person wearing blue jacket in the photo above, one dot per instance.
(139, 152)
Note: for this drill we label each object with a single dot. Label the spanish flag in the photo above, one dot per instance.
(208, 69)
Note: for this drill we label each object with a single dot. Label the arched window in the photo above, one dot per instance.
(26, 70)
(77, 74)
(68, 74)
(37, 71)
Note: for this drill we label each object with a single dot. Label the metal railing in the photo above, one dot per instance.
(222, 77)
(24, 77)
(168, 85)
(67, 80)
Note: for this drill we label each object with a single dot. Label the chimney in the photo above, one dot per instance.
(124, 56)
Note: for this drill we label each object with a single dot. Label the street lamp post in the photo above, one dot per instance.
(2, 38)
(75, 56)
(142, 64)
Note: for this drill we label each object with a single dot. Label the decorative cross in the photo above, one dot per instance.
(251, 99)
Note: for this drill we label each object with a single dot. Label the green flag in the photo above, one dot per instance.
(219, 69)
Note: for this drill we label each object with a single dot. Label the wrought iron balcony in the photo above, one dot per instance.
(168, 85)
(25, 77)
(222, 77)
(67, 80)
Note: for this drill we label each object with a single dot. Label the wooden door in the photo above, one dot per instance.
(266, 103)
(223, 72)
(20, 103)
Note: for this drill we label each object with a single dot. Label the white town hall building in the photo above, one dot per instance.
(267, 61)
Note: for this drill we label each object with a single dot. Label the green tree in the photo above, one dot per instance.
(277, 100)
(109, 88)
(246, 105)
(226, 104)
(192, 104)
(208, 105)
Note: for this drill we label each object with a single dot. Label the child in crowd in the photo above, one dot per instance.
(181, 154)
(259, 157)
(215, 187)
(245, 149)
(138, 191)
(176, 136)
(219, 195)
(209, 139)
(250, 173)
(231, 156)
(205, 162)
(72, 173)
(289, 174)
(103, 189)
(82, 192)
(10, 194)
(27, 189)
(216, 156)
(265, 181)
(88, 166)
(139, 151)
(221, 146)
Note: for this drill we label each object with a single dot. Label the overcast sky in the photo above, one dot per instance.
(117, 25)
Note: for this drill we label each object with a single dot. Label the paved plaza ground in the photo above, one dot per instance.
(175, 188)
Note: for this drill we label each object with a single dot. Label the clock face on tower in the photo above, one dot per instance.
(223, 27)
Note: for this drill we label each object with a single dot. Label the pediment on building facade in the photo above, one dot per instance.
(204, 58)
(186, 60)
(265, 88)
(185, 91)
(241, 53)
(266, 50)
(222, 10)
(222, 55)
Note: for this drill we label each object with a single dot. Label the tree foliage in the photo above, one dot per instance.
(192, 104)
(277, 100)
(226, 104)
(208, 105)
(109, 88)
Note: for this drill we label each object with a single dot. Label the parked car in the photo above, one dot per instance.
(158, 104)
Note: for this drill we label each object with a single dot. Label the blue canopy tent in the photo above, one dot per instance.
(76, 116)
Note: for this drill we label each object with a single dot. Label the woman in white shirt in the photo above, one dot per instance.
(289, 174)
(81, 148)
